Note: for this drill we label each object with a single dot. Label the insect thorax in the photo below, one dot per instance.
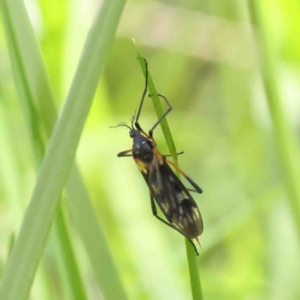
(142, 149)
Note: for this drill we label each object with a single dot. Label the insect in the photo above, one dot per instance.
(166, 189)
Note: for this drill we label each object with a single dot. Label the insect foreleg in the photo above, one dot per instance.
(143, 95)
(163, 116)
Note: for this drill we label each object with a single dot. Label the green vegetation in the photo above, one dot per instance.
(230, 71)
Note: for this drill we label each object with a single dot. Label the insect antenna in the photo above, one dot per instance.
(132, 119)
(120, 125)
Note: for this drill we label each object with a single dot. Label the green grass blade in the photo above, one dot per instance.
(38, 147)
(29, 64)
(11, 243)
(192, 261)
(25, 256)
(75, 281)
(22, 83)
(93, 239)
(20, 33)
(287, 144)
(194, 271)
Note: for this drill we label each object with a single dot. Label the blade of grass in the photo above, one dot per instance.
(30, 113)
(23, 261)
(72, 270)
(11, 243)
(38, 146)
(192, 261)
(22, 85)
(286, 141)
(194, 271)
(79, 203)
(69, 261)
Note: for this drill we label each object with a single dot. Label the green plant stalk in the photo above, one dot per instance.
(192, 261)
(285, 139)
(194, 271)
(23, 261)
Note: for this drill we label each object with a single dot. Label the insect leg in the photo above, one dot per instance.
(179, 153)
(194, 246)
(187, 177)
(143, 97)
(124, 153)
(154, 211)
(194, 191)
(163, 116)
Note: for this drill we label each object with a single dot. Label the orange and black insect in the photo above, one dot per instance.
(166, 189)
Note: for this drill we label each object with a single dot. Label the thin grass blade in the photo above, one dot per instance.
(25, 256)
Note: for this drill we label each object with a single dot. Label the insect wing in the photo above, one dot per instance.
(174, 200)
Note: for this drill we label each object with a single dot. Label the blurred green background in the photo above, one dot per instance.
(203, 56)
